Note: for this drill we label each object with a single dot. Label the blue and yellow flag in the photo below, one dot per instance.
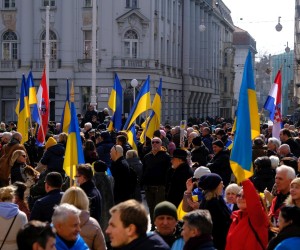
(247, 126)
(152, 123)
(74, 151)
(32, 99)
(141, 104)
(66, 115)
(132, 140)
(23, 113)
(115, 102)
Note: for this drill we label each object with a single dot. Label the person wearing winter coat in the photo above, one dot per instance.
(197, 231)
(127, 228)
(90, 229)
(177, 176)
(11, 219)
(289, 230)
(220, 164)
(212, 186)
(249, 227)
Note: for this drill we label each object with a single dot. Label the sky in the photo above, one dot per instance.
(259, 18)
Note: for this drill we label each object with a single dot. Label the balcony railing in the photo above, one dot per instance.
(10, 65)
(38, 65)
(133, 63)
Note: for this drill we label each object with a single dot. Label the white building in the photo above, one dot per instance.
(135, 38)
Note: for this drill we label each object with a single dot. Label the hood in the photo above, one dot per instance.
(8, 210)
(84, 217)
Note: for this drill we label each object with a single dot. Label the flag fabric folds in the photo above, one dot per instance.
(66, 115)
(23, 113)
(115, 102)
(152, 122)
(247, 125)
(273, 104)
(43, 105)
(132, 140)
(141, 104)
(74, 151)
(32, 99)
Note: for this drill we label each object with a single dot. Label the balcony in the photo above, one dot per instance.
(85, 65)
(38, 65)
(133, 63)
(9, 65)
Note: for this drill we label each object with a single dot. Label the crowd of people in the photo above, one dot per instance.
(185, 177)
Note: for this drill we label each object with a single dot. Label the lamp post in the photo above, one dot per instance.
(278, 27)
(134, 83)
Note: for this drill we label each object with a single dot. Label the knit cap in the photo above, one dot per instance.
(218, 143)
(50, 142)
(200, 171)
(165, 208)
(209, 181)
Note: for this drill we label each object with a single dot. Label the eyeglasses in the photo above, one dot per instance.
(240, 196)
(24, 156)
(155, 142)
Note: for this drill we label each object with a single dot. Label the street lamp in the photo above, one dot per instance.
(278, 27)
(134, 83)
(287, 49)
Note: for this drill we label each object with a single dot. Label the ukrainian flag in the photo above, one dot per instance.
(132, 140)
(74, 151)
(32, 99)
(66, 115)
(141, 104)
(247, 126)
(152, 123)
(115, 102)
(23, 113)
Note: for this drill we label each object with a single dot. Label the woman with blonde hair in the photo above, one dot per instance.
(90, 229)
(11, 218)
(22, 172)
(294, 197)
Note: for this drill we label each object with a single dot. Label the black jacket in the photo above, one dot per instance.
(220, 165)
(155, 168)
(54, 158)
(94, 197)
(120, 172)
(43, 208)
(176, 183)
(200, 155)
(148, 242)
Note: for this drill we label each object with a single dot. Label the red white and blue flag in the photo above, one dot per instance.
(273, 104)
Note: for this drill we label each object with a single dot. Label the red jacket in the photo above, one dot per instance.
(240, 235)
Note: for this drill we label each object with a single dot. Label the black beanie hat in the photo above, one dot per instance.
(218, 143)
(165, 208)
(209, 181)
(197, 141)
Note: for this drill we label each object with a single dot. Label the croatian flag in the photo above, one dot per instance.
(273, 104)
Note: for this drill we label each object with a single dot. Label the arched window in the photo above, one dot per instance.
(131, 44)
(53, 45)
(9, 46)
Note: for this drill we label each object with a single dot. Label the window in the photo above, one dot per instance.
(50, 3)
(87, 44)
(53, 45)
(9, 4)
(88, 3)
(9, 46)
(225, 84)
(131, 44)
(131, 4)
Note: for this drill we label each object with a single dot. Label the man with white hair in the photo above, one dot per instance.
(283, 178)
(66, 221)
(120, 171)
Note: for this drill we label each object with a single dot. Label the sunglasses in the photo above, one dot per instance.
(24, 156)
(240, 196)
(155, 142)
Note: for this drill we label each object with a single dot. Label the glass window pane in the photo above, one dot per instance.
(14, 51)
(127, 49)
(6, 51)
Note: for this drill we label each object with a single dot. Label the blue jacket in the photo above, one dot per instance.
(289, 244)
(43, 208)
(79, 244)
